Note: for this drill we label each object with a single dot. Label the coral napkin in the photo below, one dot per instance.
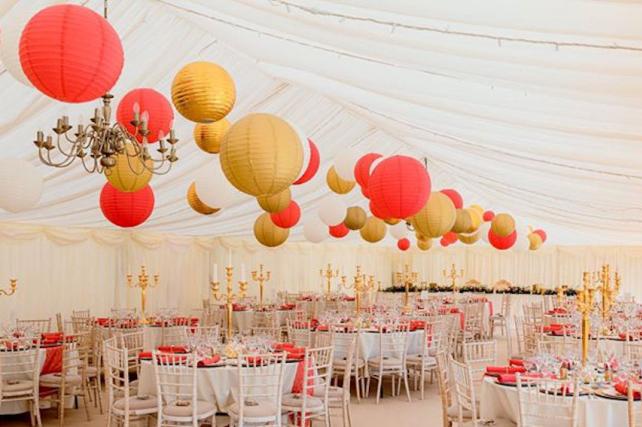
(622, 388)
(209, 361)
(505, 369)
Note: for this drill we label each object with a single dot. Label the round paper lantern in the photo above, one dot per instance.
(483, 231)
(399, 186)
(288, 217)
(157, 107)
(338, 231)
(196, 203)
(355, 218)
(488, 216)
(261, 154)
(469, 238)
(15, 21)
(456, 198)
(463, 222)
(129, 173)
(535, 241)
(20, 185)
(478, 209)
(313, 164)
(337, 184)
(475, 218)
(208, 136)
(399, 230)
(502, 243)
(378, 212)
(374, 230)
(203, 92)
(362, 168)
(403, 244)
(542, 234)
(267, 233)
(502, 225)
(275, 202)
(212, 187)
(424, 245)
(444, 242)
(71, 53)
(436, 217)
(391, 221)
(332, 211)
(314, 230)
(450, 237)
(344, 163)
(126, 209)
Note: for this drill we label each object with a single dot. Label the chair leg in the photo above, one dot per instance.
(423, 381)
(378, 389)
(405, 380)
(349, 414)
(31, 417)
(357, 383)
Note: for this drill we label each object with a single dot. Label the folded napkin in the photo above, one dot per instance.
(145, 355)
(209, 361)
(282, 345)
(52, 336)
(11, 345)
(516, 362)
(253, 360)
(322, 328)
(512, 378)
(632, 336)
(293, 355)
(171, 358)
(623, 388)
(238, 307)
(505, 369)
(177, 349)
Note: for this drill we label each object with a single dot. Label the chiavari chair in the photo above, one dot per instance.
(37, 326)
(299, 333)
(173, 335)
(477, 355)
(500, 319)
(634, 404)
(133, 342)
(339, 397)
(449, 407)
(545, 402)
(391, 359)
(633, 351)
(81, 313)
(425, 361)
(343, 340)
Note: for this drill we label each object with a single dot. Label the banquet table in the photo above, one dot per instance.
(608, 345)
(243, 320)
(499, 401)
(369, 344)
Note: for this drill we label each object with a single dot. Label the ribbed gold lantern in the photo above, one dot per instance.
(275, 202)
(463, 223)
(355, 218)
(469, 238)
(424, 245)
(203, 92)
(261, 154)
(208, 136)
(502, 225)
(129, 174)
(338, 184)
(373, 230)
(476, 218)
(437, 217)
(196, 203)
(535, 241)
(267, 233)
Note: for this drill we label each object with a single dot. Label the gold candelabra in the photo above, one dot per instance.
(328, 274)
(407, 278)
(261, 277)
(359, 280)
(561, 293)
(143, 284)
(13, 285)
(607, 291)
(229, 297)
(453, 276)
(585, 307)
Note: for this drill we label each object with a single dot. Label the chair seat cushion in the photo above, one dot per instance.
(420, 358)
(296, 401)
(54, 380)
(334, 393)
(92, 371)
(341, 363)
(262, 409)
(202, 408)
(138, 406)
(387, 362)
(19, 388)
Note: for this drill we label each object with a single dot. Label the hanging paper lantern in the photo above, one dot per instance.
(332, 211)
(157, 107)
(399, 186)
(450, 237)
(542, 234)
(129, 173)
(399, 230)
(275, 202)
(403, 244)
(478, 209)
(502, 243)
(535, 241)
(314, 230)
(196, 203)
(374, 230)
(71, 53)
(475, 218)
(344, 163)
(488, 216)
(436, 217)
(444, 242)
(379, 213)
(355, 218)
(312, 166)
(126, 209)
(212, 187)
(362, 168)
(20, 185)
(288, 217)
(203, 92)
(14, 22)
(267, 233)
(469, 238)
(338, 231)
(424, 245)
(208, 136)
(261, 154)
(337, 184)
(392, 221)
(502, 225)
(364, 192)
(454, 195)
(463, 222)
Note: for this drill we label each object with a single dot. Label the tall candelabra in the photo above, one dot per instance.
(328, 274)
(13, 285)
(585, 307)
(453, 276)
(561, 293)
(229, 297)
(407, 278)
(261, 277)
(608, 292)
(358, 284)
(143, 284)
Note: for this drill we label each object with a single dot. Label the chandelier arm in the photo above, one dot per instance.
(59, 146)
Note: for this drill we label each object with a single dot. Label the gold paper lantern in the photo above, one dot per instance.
(476, 218)
(392, 221)
(208, 136)
(469, 238)
(196, 203)
(478, 208)
(463, 222)
(373, 230)
(275, 202)
(355, 218)
(203, 92)
(424, 245)
(535, 241)
(502, 225)
(338, 184)
(436, 218)
(129, 174)
(267, 233)
(261, 154)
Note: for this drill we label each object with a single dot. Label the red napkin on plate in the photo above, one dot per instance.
(322, 328)
(516, 362)
(282, 345)
(505, 369)
(177, 349)
(623, 388)
(51, 336)
(145, 355)
(169, 358)
(512, 378)
(253, 360)
(209, 361)
(632, 336)
(295, 355)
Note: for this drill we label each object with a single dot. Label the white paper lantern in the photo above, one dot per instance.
(213, 188)
(20, 185)
(483, 229)
(332, 210)
(399, 230)
(314, 230)
(344, 163)
(10, 39)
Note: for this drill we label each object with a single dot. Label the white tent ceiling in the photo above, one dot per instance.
(530, 107)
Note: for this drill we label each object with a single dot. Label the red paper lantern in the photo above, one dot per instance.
(378, 212)
(362, 168)
(313, 165)
(488, 216)
(71, 53)
(456, 198)
(403, 244)
(451, 237)
(157, 106)
(541, 233)
(126, 209)
(364, 191)
(502, 243)
(338, 231)
(444, 242)
(288, 217)
(399, 186)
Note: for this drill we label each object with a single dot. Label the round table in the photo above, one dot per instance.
(369, 344)
(244, 319)
(609, 346)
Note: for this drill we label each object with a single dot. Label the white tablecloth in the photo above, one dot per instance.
(608, 346)
(369, 344)
(243, 320)
(497, 401)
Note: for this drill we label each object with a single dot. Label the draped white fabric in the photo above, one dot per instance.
(530, 107)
